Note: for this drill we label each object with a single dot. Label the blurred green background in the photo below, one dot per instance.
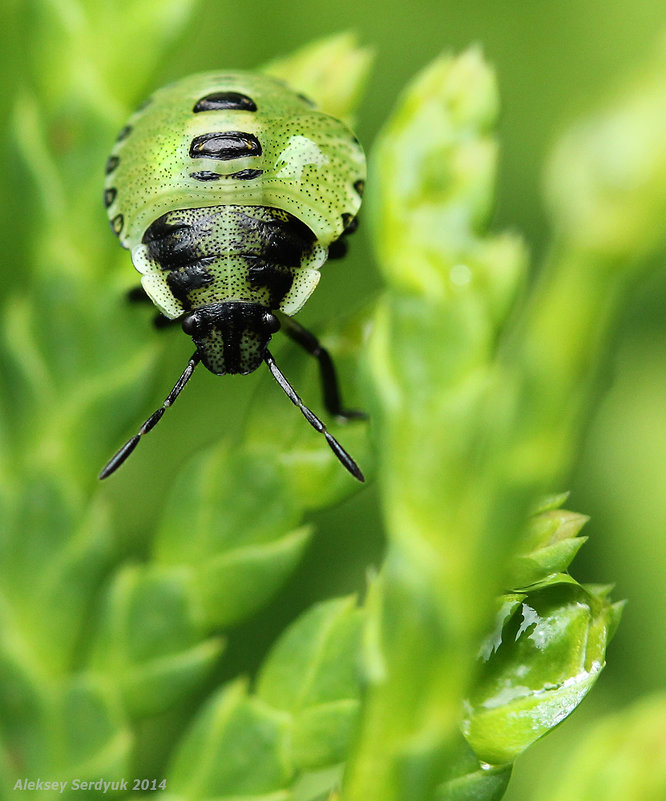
(555, 60)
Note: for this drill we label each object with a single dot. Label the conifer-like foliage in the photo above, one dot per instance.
(471, 639)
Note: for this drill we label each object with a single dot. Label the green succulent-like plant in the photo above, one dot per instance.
(472, 639)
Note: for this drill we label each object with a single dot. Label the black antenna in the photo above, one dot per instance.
(314, 421)
(114, 463)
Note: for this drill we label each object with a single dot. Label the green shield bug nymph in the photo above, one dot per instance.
(231, 191)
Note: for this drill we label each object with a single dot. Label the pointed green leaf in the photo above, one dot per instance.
(53, 553)
(95, 739)
(73, 728)
(312, 673)
(549, 502)
(552, 526)
(237, 748)
(555, 558)
(241, 519)
(549, 546)
(548, 659)
(148, 641)
(159, 683)
(320, 785)
(225, 499)
(467, 780)
(322, 733)
(331, 71)
(239, 581)
(323, 644)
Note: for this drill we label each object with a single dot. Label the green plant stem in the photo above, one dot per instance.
(469, 435)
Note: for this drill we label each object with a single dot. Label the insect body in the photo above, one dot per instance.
(231, 191)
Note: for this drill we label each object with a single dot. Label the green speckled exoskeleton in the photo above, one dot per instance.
(231, 190)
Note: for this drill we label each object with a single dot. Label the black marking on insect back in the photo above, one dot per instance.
(111, 163)
(191, 276)
(205, 175)
(245, 175)
(124, 133)
(160, 228)
(109, 196)
(272, 242)
(241, 175)
(359, 187)
(307, 100)
(173, 245)
(117, 224)
(224, 146)
(282, 238)
(230, 101)
(276, 279)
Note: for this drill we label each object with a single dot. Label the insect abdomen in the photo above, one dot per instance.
(223, 253)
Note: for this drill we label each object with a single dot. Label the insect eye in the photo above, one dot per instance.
(271, 324)
(193, 325)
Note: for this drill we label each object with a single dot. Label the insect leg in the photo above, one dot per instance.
(137, 294)
(114, 463)
(329, 379)
(312, 418)
(338, 248)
